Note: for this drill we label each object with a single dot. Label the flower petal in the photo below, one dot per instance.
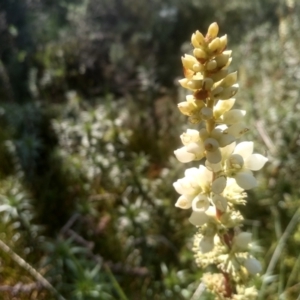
(237, 129)
(233, 116)
(184, 202)
(252, 265)
(200, 203)
(183, 156)
(218, 185)
(220, 202)
(198, 218)
(255, 162)
(214, 157)
(206, 244)
(227, 151)
(246, 180)
(222, 106)
(245, 149)
(242, 240)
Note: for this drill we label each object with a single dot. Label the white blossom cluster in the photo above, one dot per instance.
(213, 189)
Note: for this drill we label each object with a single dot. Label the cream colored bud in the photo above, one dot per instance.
(206, 113)
(219, 75)
(197, 67)
(242, 240)
(223, 106)
(223, 42)
(188, 61)
(229, 80)
(214, 45)
(223, 58)
(229, 92)
(252, 265)
(191, 84)
(207, 84)
(216, 133)
(194, 41)
(186, 108)
(218, 185)
(211, 65)
(220, 202)
(213, 30)
(199, 53)
(200, 38)
(195, 84)
(217, 91)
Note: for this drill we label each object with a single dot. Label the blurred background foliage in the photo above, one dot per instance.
(88, 125)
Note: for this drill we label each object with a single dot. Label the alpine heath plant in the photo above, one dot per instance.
(212, 191)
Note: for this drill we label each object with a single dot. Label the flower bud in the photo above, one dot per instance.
(199, 54)
(242, 240)
(188, 61)
(211, 65)
(218, 185)
(197, 67)
(206, 113)
(252, 265)
(214, 45)
(223, 42)
(197, 39)
(223, 106)
(219, 75)
(213, 30)
(229, 92)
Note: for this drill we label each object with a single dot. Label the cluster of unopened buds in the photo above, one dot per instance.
(213, 190)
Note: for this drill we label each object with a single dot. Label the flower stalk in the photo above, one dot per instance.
(213, 190)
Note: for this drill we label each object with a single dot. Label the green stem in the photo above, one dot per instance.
(115, 283)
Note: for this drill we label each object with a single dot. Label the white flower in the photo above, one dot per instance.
(242, 162)
(206, 244)
(233, 192)
(193, 147)
(194, 189)
(239, 162)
